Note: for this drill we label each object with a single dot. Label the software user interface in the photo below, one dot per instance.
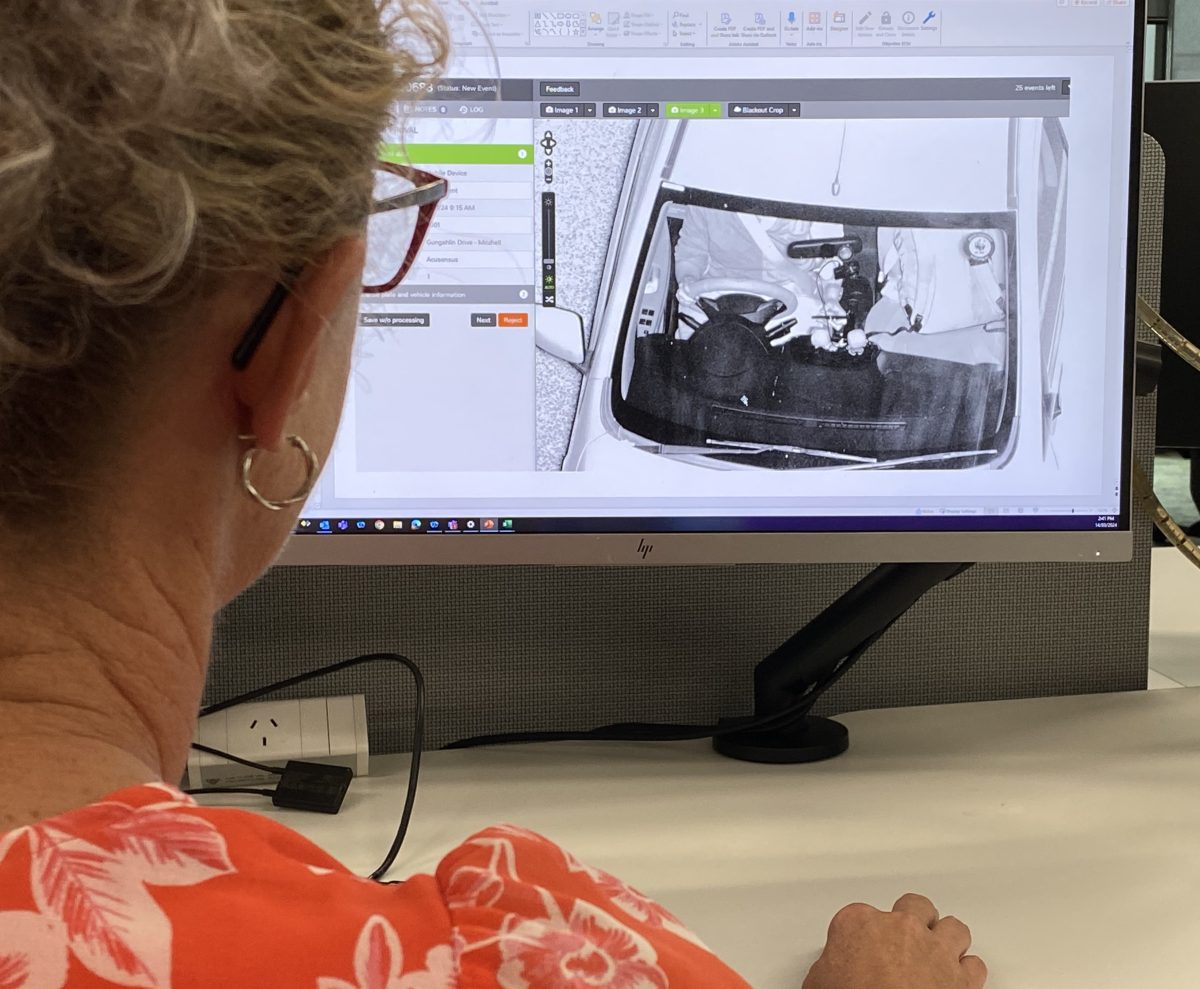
(754, 266)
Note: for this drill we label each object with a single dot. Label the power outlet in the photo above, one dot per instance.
(328, 730)
(264, 731)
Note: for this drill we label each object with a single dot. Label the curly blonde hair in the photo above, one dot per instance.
(148, 147)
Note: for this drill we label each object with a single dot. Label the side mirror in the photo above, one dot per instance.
(559, 332)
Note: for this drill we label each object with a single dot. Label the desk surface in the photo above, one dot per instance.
(1065, 831)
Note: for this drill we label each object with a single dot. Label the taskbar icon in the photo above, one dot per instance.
(391, 526)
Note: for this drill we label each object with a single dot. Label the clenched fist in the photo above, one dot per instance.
(908, 947)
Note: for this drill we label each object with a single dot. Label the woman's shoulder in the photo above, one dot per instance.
(147, 888)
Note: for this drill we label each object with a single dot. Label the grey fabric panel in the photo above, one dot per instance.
(1150, 234)
(540, 648)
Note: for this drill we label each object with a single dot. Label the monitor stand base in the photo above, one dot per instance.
(793, 678)
(807, 740)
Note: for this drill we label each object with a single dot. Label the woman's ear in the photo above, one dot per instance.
(275, 381)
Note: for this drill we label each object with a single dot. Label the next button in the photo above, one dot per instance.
(512, 319)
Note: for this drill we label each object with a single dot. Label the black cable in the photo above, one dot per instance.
(261, 767)
(646, 732)
(414, 766)
(229, 789)
(418, 738)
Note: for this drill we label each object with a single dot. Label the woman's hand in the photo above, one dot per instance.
(908, 947)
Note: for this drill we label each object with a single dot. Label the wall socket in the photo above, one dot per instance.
(328, 730)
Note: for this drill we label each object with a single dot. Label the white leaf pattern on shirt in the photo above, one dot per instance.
(91, 895)
(113, 925)
(379, 963)
(33, 951)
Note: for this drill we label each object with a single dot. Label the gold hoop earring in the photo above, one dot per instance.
(312, 463)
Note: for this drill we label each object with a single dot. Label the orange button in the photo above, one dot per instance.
(514, 319)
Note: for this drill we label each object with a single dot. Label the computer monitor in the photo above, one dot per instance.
(756, 283)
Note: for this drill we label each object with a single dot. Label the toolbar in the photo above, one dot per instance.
(703, 99)
(739, 25)
(849, 24)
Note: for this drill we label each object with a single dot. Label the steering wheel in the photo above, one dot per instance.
(716, 288)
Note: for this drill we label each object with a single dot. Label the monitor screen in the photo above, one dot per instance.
(755, 283)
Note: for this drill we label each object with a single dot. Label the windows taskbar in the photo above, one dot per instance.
(1011, 521)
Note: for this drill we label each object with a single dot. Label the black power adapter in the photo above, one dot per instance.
(312, 786)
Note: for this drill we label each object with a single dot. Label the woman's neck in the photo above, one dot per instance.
(100, 681)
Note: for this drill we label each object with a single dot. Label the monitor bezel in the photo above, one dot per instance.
(703, 549)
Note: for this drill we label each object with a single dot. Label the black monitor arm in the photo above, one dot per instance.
(788, 682)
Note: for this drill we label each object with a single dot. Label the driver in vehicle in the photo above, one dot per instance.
(720, 251)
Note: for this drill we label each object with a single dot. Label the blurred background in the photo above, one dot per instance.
(1172, 72)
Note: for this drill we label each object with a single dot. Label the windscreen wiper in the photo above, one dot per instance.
(784, 448)
(729, 446)
(928, 458)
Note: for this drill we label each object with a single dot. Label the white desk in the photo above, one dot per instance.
(1065, 831)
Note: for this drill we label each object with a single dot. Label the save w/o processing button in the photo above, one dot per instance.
(513, 319)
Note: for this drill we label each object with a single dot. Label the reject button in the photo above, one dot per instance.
(514, 319)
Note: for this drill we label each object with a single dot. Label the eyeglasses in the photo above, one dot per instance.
(404, 202)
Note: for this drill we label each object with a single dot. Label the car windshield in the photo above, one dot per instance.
(789, 335)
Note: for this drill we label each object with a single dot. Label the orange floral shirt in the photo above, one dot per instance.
(146, 888)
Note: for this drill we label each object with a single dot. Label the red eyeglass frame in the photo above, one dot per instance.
(428, 190)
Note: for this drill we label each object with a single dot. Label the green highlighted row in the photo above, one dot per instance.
(692, 111)
(458, 154)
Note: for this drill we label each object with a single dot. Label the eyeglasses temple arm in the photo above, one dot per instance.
(259, 326)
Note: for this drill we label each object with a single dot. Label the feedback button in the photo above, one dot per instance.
(514, 319)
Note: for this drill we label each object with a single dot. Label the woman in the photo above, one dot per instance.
(163, 166)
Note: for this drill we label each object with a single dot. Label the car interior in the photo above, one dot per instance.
(873, 385)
